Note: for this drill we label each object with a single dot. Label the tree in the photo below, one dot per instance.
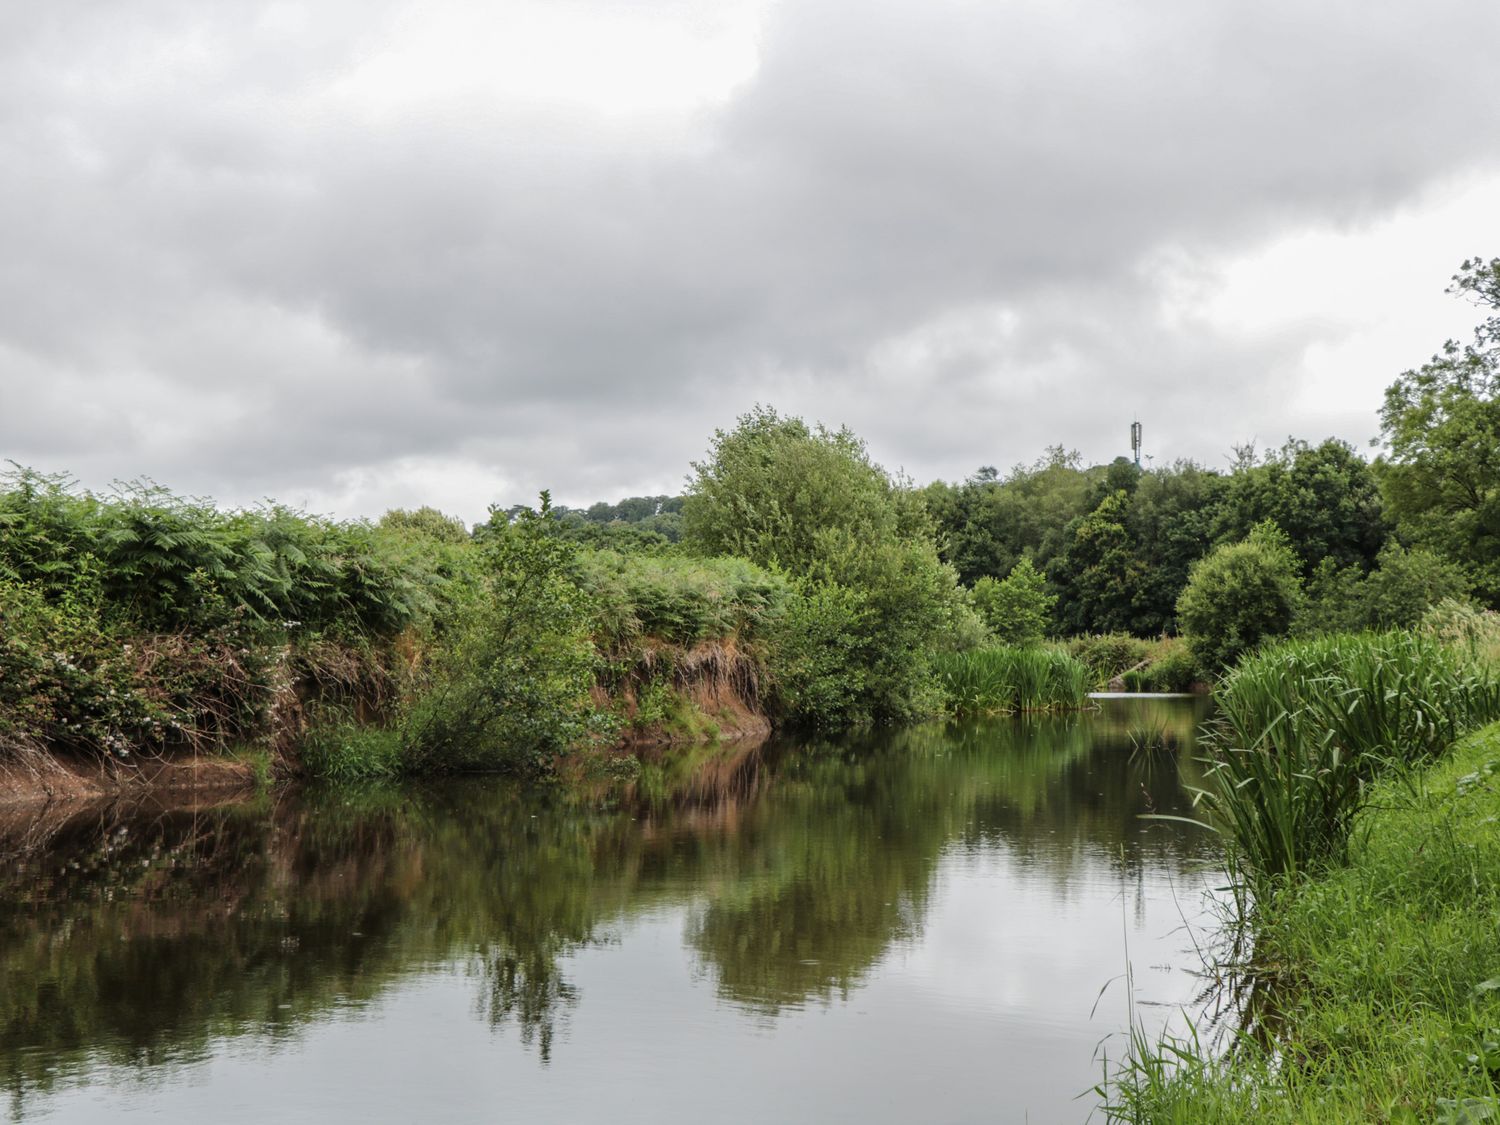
(1172, 519)
(1018, 610)
(986, 525)
(1098, 574)
(1324, 497)
(1404, 585)
(1441, 424)
(859, 546)
(1240, 594)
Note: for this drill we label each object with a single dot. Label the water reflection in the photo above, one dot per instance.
(133, 941)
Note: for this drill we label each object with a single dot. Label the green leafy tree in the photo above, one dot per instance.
(1017, 609)
(1098, 574)
(1404, 585)
(1324, 497)
(986, 525)
(1240, 594)
(1171, 522)
(810, 502)
(1441, 423)
(512, 690)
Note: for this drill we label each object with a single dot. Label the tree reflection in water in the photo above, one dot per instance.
(136, 937)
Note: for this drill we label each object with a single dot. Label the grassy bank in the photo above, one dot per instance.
(1388, 1005)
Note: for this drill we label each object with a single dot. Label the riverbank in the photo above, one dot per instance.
(69, 779)
(1385, 974)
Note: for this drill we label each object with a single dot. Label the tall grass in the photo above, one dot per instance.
(1394, 1013)
(1304, 726)
(1011, 680)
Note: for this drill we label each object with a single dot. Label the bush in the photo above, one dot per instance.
(1173, 668)
(1108, 655)
(810, 503)
(816, 666)
(1018, 610)
(512, 690)
(1239, 595)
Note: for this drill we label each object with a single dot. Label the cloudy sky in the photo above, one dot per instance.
(361, 253)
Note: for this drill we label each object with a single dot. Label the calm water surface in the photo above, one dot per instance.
(928, 925)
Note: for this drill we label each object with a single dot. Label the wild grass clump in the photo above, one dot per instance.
(1474, 632)
(1395, 1016)
(1304, 726)
(1012, 680)
(341, 750)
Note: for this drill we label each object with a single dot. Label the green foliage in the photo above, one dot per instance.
(1012, 680)
(340, 750)
(66, 681)
(1172, 519)
(510, 692)
(166, 563)
(425, 523)
(1323, 497)
(1107, 655)
(1305, 725)
(1381, 975)
(1395, 595)
(810, 502)
(1098, 573)
(816, 655)
(1018, 609)
(1441, 422)
(988, 525)
(784, 494)
(1173, 667)
(1239, 595)
(677, 599)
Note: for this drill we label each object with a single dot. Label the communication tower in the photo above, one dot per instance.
(1135, 442)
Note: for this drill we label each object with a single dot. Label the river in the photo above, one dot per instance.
(925, 925)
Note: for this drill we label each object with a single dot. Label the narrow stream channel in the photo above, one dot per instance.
(927, 925)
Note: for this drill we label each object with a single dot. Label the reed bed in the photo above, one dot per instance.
(1013, 680)
(1305, 726)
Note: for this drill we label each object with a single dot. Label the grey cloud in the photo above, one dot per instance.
(199, 231)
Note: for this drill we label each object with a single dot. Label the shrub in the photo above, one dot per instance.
(1173, 668)
(1018, 610)
(810, 503)
(511, 691)
(1239, 595)
(816, 665)
(1108, 655)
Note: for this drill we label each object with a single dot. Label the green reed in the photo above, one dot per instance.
(1304, 726)
(1012, 680)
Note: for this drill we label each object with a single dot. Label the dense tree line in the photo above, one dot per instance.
(1116, 543)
